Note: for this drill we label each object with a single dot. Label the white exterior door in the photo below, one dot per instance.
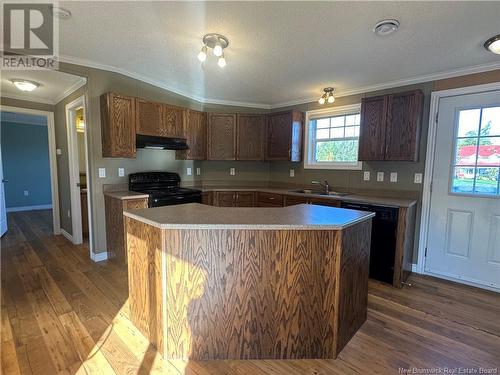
(3, 213)
(464, 224)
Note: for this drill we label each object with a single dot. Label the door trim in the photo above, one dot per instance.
(436, 96)
(56, 223)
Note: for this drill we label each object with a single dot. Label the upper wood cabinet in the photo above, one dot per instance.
(284, 136)
(250, 133)
(148, 117)
(172, 121)
(118, 126)
(372, 129)
(390, 127)
(195, 132)
(404, 119)
(221, 136)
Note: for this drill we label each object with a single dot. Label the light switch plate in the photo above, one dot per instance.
(189, 171)
(198, 171)
(121, 172)
(26, 193)
(380, 176)
(418, 178)
(232, 171)
(58, 151)
(394, 176)
(102, 172)
(366, 176)
(292, 172)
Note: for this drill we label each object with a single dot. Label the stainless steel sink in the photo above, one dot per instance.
(319, 192)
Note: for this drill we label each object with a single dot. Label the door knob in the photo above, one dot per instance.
(3, 180)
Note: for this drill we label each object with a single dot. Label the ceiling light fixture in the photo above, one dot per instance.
(25, 85)
(493, 44)
(386, 27)
(218, 43)
(327, 96)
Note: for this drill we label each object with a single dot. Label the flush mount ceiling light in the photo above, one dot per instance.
(217, 43)
(386, 27)
(24, 85)
(327, 97)
(493, 44)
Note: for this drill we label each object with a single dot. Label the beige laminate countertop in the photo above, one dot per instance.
(125, 194)
(298, 217)
(354, 198)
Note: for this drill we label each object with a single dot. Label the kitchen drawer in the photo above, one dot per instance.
(325, 202)
(269, 199)
(291, 200)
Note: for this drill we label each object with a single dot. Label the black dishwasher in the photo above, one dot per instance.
(383, 246)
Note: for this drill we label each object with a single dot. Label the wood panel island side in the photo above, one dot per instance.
(248, 283)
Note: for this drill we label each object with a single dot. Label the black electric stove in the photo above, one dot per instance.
(163, 188)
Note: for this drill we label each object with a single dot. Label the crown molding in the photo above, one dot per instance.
(21, 97)
(70, 90)
(341, 93)
(143, 78)
(402, 82)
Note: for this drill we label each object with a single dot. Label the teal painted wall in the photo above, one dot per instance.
(25, 158)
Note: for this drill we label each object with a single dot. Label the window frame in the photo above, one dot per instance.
(475, 167)
(309, 158)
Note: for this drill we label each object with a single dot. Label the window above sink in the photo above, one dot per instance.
(332, 138)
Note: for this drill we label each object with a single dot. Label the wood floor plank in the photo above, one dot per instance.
(67, 314)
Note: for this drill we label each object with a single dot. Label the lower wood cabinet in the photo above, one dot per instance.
(290, 200)
(234, 199)
(269, 199)
(115, 231)
(207, 198)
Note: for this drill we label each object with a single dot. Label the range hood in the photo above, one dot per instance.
(160, 143)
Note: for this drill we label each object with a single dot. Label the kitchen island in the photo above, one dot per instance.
(248, 283)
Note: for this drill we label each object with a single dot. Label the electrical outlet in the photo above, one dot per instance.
(198, 171)
(232, 171)
(380, 176)
(394, 176)
(102, 172)
(26, 193)
(58, 151)
(189, 171)
(292, 172)
(418, 178)
(121, 172)
(366, 176)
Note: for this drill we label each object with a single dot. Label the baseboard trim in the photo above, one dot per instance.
(30, 208)
(68, 236)
(99, 257)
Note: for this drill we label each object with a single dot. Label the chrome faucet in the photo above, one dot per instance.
(324, 185)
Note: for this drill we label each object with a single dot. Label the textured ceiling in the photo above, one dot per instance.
(54, 85)
(279, 51)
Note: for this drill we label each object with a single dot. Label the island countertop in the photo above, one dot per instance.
(200, 216)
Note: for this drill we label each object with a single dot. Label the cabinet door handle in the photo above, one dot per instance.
(271, 198)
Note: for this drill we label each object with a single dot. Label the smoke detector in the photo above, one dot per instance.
(386, 27)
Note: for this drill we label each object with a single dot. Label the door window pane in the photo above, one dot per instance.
(466, 151)
(486, 181)
(463, 180)
(468, 122)
(490, 121)
(476, 163)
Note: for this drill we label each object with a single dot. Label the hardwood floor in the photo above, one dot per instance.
(63, 313)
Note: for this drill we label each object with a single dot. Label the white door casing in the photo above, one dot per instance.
(463, 232)
(3, 213)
